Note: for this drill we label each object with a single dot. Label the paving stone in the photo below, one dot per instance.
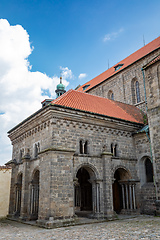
(141, 227)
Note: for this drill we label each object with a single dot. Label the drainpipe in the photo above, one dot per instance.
(144, 89)
(148, 135)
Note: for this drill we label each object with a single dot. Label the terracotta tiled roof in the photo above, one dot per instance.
(5, 167)
(155, 44)
(99, 105)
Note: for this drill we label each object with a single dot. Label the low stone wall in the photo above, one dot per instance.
(148, 199)
(5, 178)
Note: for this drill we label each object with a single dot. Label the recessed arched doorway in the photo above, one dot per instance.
(120, 175)
(83, 191)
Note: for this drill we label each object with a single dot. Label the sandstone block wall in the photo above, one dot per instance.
(59, 158)
(148, 198)
(5, 178)
(152, 80)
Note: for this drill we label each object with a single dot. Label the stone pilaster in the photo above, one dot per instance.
(107, 185)
(56, 187)
(24, 214)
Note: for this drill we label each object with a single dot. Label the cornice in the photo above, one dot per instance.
(64, 117)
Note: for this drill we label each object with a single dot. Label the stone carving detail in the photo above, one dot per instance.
(104, 148)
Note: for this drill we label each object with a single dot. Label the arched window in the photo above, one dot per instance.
(138, 98)
(114, 149)
(149, 170)
(36, 149)
(111, 95)
(158, 73)
(21, 154)
(80, 147)
(83, 147)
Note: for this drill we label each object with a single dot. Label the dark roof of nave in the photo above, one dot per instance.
(148, 48)
(98, 105)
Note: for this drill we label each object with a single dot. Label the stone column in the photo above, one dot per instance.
(107, 185)
(97, 198)
(127, 197)
(123, 196)
(134, 197)
(128, 193)
(77, 194)
(130, 196)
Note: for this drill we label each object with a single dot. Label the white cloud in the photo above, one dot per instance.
(20, 89)
(113, 35)
(66, 73)
(82, 75)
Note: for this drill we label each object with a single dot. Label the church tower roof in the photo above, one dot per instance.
(60, 88)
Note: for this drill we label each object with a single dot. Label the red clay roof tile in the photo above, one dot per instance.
(155, 44)
(95, 104)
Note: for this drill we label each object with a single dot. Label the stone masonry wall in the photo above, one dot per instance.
(59, 158)
(67, 133)
(147, 190)
(152, 79)
(148, 198)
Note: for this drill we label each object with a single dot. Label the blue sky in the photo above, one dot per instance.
(70, 33)
(77, 38)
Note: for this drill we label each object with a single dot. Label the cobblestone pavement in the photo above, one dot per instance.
(141, 227)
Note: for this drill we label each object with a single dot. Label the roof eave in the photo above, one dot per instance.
(98, 114)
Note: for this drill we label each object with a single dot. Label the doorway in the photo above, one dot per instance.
(83, 191)
(119, 175)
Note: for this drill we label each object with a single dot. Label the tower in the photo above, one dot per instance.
(60, 88)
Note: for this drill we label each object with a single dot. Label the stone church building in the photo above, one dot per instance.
(93, 151)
